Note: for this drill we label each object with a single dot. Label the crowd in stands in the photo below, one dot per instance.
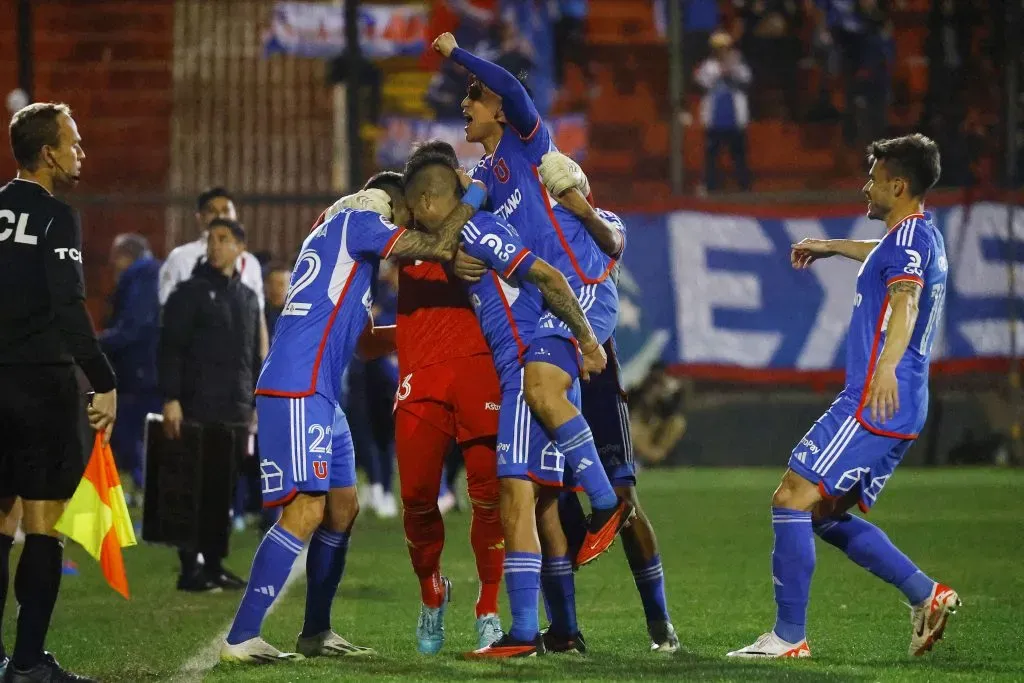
(800, 61)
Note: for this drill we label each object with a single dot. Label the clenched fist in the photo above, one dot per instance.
(445, 44)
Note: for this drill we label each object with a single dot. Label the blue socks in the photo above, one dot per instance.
(868, 546)
(522, 581)
(270, 568)
(650, 582)
(792, 568)
(576, 443)
(325, 564)
(559, 585)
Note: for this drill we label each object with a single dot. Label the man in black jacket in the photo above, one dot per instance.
(209, 361)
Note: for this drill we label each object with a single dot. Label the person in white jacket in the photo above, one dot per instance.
(215, 202)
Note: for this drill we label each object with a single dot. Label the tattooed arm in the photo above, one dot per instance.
(563, 303)
(883, 393)
(440, 246)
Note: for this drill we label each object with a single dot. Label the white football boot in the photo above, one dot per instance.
(770, 646)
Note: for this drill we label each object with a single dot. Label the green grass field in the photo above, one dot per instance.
(964, 527)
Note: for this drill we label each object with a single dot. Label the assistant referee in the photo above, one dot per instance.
(45, 331)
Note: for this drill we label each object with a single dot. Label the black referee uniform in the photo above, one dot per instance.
(44, 331)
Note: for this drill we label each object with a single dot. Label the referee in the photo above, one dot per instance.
(45, 331)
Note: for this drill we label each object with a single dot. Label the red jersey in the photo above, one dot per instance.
(436, 322)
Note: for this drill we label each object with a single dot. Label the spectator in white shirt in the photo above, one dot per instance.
(214, 203)
(724, 110)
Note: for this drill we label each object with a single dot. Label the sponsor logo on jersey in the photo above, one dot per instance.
(492, 406)
(70, 253)
(914, 267)
(510, 205)
(811, 446)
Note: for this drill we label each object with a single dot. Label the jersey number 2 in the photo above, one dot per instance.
(310, 260)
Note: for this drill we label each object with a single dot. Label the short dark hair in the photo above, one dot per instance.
(208, 195)
(426, 158)
(434, 147)
(235, 227)
(385, 180)
(34, 127)
(914, 158)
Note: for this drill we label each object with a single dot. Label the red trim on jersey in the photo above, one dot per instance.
(515, 264)
(320, 349)
(565, 243)
(905, 278)
(529, 137)
(872, 360)
(863, 508)
(824, 492)
(284, 501)
(904, 220)
(391, 243)
(520, 347)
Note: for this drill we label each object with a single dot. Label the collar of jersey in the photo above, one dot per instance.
(905, 219)
(26, 180)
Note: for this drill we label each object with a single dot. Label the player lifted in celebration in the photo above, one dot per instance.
(308, 461)
(605, 409)
(501, 116)
(852, 450)
(448, 391)
(508, 305)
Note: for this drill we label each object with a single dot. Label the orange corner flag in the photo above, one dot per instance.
(97, 516)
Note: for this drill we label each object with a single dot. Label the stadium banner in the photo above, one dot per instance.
(310, 29)
(714, 294)
(399, 134)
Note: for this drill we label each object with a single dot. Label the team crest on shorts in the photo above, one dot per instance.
(320, 469)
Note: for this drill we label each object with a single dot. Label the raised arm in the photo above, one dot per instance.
(883, 394)
(515, 101)
(608, 237)
(807, 251)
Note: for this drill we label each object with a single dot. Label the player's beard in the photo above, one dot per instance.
(876, 212)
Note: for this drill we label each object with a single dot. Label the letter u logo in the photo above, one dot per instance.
(320, 469)
(501, 171)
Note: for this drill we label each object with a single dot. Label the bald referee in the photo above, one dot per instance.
(44, 332)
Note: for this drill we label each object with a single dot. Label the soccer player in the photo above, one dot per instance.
(308, 464)
(500, 114)
(530, 466)
(448, 391)
(852, 450)
(605, 409)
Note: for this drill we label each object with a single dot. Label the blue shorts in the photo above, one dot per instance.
(839, 454)
(606, 411)
(525, 449)
(305, 447)
(558, 350)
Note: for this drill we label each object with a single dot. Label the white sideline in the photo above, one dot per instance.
(204, 660)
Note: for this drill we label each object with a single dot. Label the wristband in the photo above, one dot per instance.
(475, 196)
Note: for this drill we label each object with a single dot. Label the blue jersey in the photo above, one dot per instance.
(328, 305)
(505, 304)
(516, 190)
(914, 251)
